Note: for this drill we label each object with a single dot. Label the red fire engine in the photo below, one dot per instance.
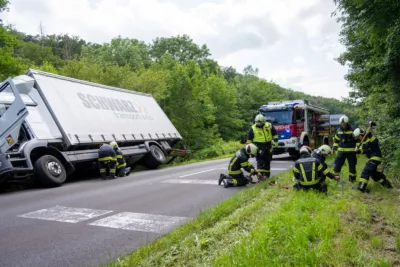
(298, 123)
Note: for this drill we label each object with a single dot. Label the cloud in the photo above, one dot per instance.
(291, 42)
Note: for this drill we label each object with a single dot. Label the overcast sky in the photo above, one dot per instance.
(292, 42)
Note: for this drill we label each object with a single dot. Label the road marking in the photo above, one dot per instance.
(65, 214)
(190, 174)
(184, 181)
(201, 172)
(279, 169)
(140, 222)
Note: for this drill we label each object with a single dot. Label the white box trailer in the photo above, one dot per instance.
(51, 125)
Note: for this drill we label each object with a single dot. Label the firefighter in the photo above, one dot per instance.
(122, 170)
(344, 144)
(321, 153)
(107, 159)
(309, 172)
(370, 147)
(261, 134)
(238, 161)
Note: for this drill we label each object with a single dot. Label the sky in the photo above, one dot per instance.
(291, 42)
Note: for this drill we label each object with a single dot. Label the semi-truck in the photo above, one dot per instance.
(299, 123)
(52, 126)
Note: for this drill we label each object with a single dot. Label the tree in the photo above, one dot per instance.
(371, 34)
(9, 65)
(120, 51)
(181, 48)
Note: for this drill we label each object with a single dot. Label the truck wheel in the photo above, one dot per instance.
(154, 158)
(50, 171)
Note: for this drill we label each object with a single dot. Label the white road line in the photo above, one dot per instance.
(184, 181)
(190, 174)
(279, 169)
(200, 172)
(140, 222)
(65, 214)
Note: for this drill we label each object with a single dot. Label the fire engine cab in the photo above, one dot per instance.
(298, 123)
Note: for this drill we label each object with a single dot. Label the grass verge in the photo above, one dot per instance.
(268, 225)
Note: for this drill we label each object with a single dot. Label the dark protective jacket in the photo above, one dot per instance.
(344, 140)
(371, 148)
(120, 158)
(240, 160)
(318, 155)
(309, 171)
(106, 152)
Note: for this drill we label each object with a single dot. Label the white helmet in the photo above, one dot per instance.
(259, 118)
(114, 144)
(357, 132)
(251, 149)
(344, 119)
(305, 149)
(325, 150)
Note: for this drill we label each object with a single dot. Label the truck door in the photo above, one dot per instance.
(12, 114)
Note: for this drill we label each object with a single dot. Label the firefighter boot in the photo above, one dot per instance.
(221, 178)
(128, 171)
(228, 183)
(386, 184)
(352, 178)
(362, 187)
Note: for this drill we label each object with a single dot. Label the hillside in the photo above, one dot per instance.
(268, 225)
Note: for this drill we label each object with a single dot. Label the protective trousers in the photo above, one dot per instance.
(370, 170)
(264, 162)
(235, 180)
(351, 159)
(104, 164)
(321, 187)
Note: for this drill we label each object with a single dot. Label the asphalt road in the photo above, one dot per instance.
(92, 222)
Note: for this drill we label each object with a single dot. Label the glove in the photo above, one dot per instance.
(275, 143)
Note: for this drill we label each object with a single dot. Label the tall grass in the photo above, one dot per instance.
(268, 225)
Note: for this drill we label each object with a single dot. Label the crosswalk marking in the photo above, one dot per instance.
(65, 214)
(186, 181)
(140, 222)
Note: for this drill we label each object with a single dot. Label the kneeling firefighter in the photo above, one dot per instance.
(321, 153)
(238, 161)
(107, 160)
(122, 170)
(309, 172)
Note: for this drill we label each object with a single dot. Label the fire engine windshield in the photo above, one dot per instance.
(279, 116)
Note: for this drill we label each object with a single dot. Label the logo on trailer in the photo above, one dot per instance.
(10, 140)
(122, 108)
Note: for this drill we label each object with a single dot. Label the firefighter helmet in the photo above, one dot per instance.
(114, 144)
(251, 149)
(325, 150)
(358, 131)
(344, 119)
(306, 150)
(259, 118)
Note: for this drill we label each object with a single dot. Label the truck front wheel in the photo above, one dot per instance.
(50, 172)
(154, 158)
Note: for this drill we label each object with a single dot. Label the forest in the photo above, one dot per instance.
(211, 105)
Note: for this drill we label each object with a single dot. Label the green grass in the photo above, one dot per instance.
(268, 225)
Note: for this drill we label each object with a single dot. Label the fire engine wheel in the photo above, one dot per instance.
(154, 158)
(50, 172)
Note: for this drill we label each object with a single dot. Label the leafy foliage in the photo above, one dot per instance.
(371, 34)
(208, 103)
